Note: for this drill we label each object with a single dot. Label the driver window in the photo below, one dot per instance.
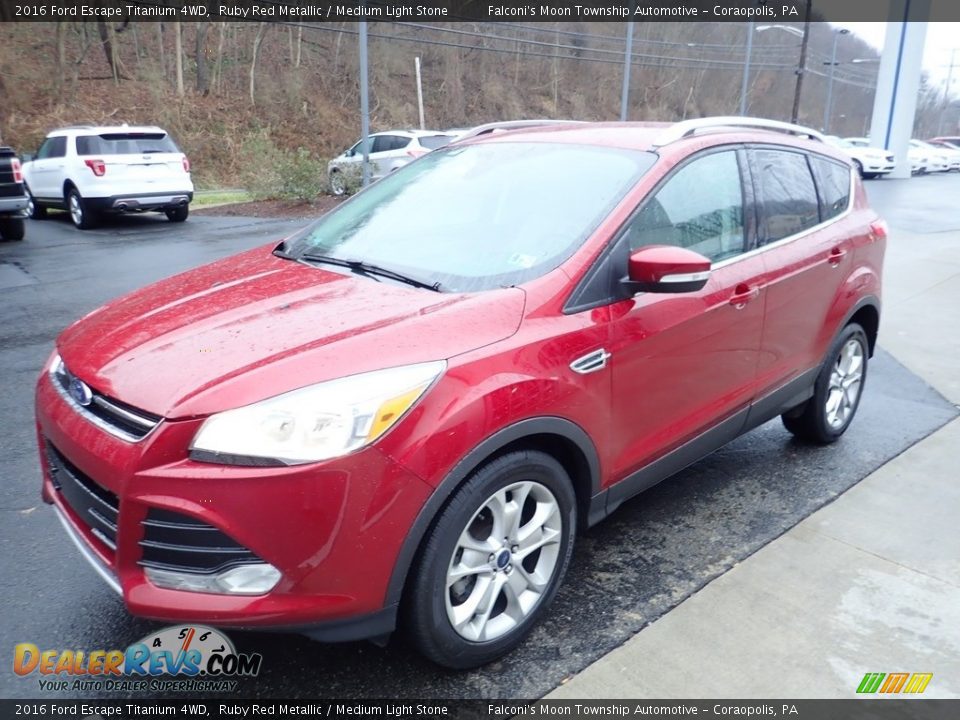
(700, 208)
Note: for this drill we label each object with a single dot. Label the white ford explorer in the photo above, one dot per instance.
(90, 171)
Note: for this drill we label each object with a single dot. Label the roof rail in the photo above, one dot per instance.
(511, 125)
(686, 128)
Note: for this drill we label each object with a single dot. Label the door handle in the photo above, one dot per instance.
(743, 294)
(836, 256)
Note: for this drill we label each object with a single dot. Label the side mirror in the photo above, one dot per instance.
(350, 153)
(27, 157)
(666, 269)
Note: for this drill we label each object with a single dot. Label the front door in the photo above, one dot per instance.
(685, 363)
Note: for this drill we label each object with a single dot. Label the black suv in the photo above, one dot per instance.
(13, 200)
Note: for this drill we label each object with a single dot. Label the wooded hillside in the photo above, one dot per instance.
(231, 91)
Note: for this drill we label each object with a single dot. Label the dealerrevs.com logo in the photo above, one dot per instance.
(184, 658)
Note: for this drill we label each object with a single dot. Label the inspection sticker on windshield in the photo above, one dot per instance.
(521, 260)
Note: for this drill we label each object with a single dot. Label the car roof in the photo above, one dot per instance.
(659, 136)
(411, 133)
(105, 130)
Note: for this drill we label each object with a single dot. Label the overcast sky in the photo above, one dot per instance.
(942, 37)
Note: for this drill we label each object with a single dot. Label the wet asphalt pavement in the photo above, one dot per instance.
(645, 559)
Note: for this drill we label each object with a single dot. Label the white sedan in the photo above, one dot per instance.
(870, 162)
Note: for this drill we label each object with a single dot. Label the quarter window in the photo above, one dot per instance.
(699, 208)
(833, 180)
(786, 196)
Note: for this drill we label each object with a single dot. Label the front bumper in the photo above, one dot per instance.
(13, 205)
(333, 529)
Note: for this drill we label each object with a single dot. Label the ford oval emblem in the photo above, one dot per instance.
(81, 392)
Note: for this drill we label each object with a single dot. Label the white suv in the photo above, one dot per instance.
(389, 151)
(89, 171)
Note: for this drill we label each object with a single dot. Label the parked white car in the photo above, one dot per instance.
(937, 160)
(870, 162)
(389, 151)
(94, 170)
(950, 151)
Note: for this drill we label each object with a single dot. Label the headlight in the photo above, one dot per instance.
(316, 422)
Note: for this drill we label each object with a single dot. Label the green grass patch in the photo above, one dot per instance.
(212, 198)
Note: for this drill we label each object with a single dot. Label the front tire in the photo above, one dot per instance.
(35, 211)
(12, 228)
(493, 562)
(338, 185)
(837, 392)
(178, 214)
(82, 216)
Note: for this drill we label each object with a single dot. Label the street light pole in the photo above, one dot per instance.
(745, 86)
(833, 67)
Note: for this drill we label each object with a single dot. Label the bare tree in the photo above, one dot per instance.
(203, 73)
(178, 45)
(162, 54)
(257, 42)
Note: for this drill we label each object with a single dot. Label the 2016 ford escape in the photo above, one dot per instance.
(401, 415)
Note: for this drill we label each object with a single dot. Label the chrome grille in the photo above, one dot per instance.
(117, 418)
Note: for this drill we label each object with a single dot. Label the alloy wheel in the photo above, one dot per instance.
(503, 561)
(845, 383)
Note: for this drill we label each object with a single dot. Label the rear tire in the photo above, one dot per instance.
(82, 216)
(492, 564)
(178, 214)
(12, 228)
(826, 416)
(859, 167)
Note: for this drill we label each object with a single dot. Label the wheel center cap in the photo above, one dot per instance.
(502, 559)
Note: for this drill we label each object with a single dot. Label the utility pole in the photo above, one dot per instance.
(802, 67)
(364, 105)
(946, 91)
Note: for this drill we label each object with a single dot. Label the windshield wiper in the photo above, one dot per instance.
(360, 267)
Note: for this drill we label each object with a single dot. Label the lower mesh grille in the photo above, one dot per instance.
(95, 506)
(176, 542)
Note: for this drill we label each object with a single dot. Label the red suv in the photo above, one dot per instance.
(402, 414)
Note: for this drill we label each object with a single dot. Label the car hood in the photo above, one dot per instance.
(254, 326)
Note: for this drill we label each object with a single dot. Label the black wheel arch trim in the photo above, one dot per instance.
(530, 427)
(871, 301)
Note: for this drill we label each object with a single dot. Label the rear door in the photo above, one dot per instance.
(141, 162)
(806, 250)
(685, 363)
(389, 153)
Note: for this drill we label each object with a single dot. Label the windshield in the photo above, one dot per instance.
(478, 217)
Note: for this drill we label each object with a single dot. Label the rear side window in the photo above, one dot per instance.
(432, 142)
(125, 144)
(385, 143)
(700, 208)
(786, 196)
(833, 181)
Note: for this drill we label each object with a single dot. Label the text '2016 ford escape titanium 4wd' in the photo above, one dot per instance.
(400, 417)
